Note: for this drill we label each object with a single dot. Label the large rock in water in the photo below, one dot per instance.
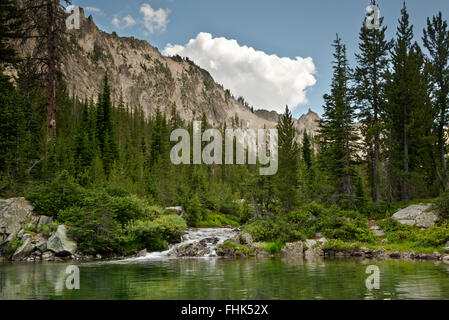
(14, 213)
(60, 244)
(24, 250)
(195, 249)
(417, 215)
(293, 250)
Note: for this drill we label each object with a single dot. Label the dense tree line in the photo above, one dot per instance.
(382, 137)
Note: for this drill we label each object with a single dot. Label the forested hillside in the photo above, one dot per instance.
(102, 165)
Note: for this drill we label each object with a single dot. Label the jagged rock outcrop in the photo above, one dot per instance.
(143, 77)
(60, 244)
(14, 213)
(418, 215)
(195, 249)
(293, 250)
(24, 250)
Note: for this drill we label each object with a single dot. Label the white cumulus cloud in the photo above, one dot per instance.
(154, 20)
(265, 81)
(93, 9)
(124, 23)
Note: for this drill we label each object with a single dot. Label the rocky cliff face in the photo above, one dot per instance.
(142, 76)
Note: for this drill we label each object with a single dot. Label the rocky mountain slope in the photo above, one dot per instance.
(142, 76)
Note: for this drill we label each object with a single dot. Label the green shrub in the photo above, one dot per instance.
(433, 237)
(391, 225)
(14, 244)
(211, 219)
(231, 208)
(48, 199)
(172, 227)
(194, 211)
(48, 229)
(273, 247)
(305, 222)
(94, 229)
(146, 233)
(375, 210)
(272, 229)
(442, 206)
(338, 245)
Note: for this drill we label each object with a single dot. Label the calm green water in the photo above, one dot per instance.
(226, 279)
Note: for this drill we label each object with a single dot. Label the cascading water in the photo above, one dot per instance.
(210, 238)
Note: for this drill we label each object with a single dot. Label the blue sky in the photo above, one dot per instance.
(285, 28)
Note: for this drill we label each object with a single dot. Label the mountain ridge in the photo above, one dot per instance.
(139, 75)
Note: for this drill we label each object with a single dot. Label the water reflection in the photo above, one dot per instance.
(227, 279)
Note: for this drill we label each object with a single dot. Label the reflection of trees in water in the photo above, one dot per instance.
(34, 280)
(228, 279)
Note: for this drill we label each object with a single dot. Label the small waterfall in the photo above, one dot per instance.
(210, 237)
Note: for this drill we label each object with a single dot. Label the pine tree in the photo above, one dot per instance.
(370, 95)
(436, 41)
(306, 150)
(11, 27)
(287, 176)
(406, 89)
(46, 27)
(337, 136)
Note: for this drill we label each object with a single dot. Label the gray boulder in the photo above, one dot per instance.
(24, 250)
(312, 249)
(418, 215)
(377, 231)
(14, 213)
(446, 259)
(178, 210)
(43, 220)
(42, 246)
(293, 250)
(142, 253)
(195, 249)
(48, 256)
(60, 244)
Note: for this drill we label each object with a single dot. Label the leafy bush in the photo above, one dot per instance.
(399, 233)
(231, 208)
(172, 227)
(433, 237)
(194, 211)
(375, 210)
(442, 206)
(272, 230)
(146, 233)
(48, 199)
(338, 245)
(94, 229)
(273, 247)
(48, 229)
(217, 220)
(14, 244)
(305, 222)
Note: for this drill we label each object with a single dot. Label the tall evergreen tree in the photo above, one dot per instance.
(11, 27)
(288, 155)
(370, 95)
(337, 136)
(436, 41)
(406, 89)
